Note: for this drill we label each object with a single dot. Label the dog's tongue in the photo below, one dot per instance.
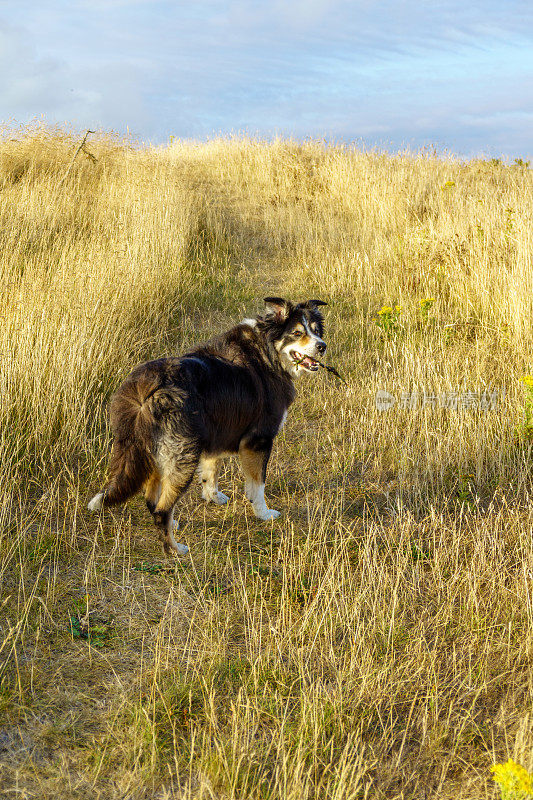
(309, 362)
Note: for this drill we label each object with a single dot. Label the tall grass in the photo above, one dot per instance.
(376, 640)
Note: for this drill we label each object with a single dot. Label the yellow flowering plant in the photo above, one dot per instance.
(514, 781)
(424, 305)
(388, 318)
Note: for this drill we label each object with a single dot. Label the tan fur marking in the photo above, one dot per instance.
(169, 494)
(251, 463)
(209, 467)
(152, 488)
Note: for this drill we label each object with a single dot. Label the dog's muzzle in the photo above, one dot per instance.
(307, 361)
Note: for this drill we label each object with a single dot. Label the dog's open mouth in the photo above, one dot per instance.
(304, 361)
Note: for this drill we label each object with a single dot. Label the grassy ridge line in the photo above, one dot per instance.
(375, 642)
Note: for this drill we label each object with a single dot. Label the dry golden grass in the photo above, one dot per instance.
(376, 641)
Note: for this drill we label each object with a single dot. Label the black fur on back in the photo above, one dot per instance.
(229, 390)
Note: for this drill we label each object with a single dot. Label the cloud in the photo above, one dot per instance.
(34, 85)
(387, 71)
(26, 79)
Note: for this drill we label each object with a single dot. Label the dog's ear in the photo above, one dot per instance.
(278, 308)
(315, 303)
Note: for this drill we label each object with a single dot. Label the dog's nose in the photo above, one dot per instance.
(321, 347)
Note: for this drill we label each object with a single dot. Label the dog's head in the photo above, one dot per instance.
(295, 333)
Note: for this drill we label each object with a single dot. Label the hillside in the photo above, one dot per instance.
(376, 640)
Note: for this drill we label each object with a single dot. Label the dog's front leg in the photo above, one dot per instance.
(208, 471)
(254, 453)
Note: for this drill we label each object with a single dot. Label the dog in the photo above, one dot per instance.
(175, 416)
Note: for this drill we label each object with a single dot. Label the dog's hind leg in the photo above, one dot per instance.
(208, 469)
(254, 453)
(173, 486)
(97, 502)
(152, 491)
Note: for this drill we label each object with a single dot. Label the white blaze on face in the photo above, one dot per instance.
(313, 336)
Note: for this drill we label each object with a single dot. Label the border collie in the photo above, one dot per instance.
(176, 415)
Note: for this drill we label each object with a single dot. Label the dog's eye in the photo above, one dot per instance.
(297, 333)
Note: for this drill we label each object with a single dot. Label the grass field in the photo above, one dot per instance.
(376, 640)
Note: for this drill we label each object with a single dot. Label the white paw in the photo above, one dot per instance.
(267, 514)
(179, 549)
(220, 498)
(96, 503)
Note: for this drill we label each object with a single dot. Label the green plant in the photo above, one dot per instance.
(527, 426)
(82, 627)
(466, 490)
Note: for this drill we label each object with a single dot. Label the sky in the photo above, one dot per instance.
(455, 76)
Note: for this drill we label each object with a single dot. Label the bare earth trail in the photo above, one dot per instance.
(110, 607)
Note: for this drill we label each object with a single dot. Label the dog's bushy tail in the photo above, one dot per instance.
(132, 423)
